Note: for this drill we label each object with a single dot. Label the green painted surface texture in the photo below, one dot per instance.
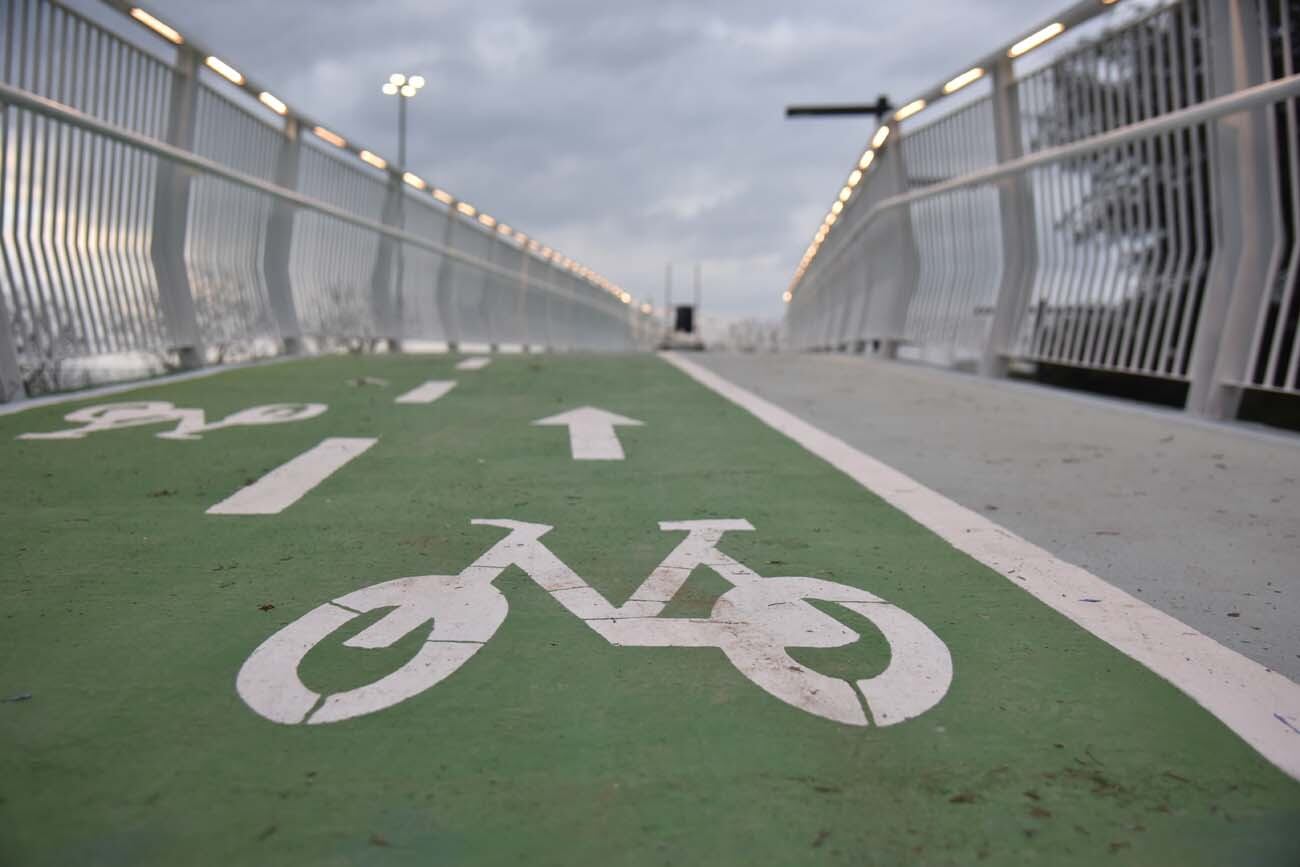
(126, 613)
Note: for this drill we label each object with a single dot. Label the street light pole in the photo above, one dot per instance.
(401, 133)
(402, 87)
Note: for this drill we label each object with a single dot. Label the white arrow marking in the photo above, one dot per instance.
(288, 483)
(591, 432)
(427, 393)
(478, 362)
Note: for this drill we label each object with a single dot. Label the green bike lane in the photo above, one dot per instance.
(128, 612)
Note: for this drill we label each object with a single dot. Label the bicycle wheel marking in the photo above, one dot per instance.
(753, 624)
(428, 392)
(291, 481)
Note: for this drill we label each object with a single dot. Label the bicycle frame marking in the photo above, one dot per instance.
(752, 624)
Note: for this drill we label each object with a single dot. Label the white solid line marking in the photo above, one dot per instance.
(478, 362)
(1260, 705)
(287, 483)
(427, 393)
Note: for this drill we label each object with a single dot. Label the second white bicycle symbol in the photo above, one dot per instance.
(752, 624)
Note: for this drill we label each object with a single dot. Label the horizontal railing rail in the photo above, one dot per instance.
(1131, 207)
(1233, 103)
(160, 209)
(49, 108)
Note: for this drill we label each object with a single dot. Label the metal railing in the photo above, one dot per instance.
(152, 208)
(1129, 207)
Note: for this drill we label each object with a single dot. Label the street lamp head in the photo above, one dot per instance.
(416, 81)
(407, 90)
(397, 79)
(389, 88)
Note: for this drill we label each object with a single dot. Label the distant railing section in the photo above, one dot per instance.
(1059, 219)
(150, 207)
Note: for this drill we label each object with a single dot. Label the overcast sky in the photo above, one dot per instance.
(626, 134)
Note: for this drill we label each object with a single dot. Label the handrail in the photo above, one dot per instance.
(18, 97)
(1211, 109)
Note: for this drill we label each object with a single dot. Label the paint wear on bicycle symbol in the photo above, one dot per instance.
(753, 624)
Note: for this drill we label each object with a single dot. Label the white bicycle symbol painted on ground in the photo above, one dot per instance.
(752, 624)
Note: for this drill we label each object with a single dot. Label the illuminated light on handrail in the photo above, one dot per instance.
(273, 103)
(787, 296)
(504, 229)
(910, 109)
(443, 196)
(854, 177)
(521, 237)
(845, 192)
(830, 219)
(837, 207)
(487, 221)
(157, 26)
(879, 138)
(374, 159)
(414, 180)
(333, 138)
(534, 246)
(225, 70)
(547, 252)
(466, 208)
(970, 75)
(1033, 40)
(865, 162)
(627, 298)
(647, 309)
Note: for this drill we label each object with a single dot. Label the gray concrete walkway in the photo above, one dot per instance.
(1200, 520)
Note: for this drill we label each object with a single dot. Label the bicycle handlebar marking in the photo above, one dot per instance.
(752, 624)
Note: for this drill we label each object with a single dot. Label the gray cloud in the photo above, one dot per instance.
(625, 134)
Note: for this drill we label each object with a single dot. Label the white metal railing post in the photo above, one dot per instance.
(11, 375)
(386, 279)
(279, 242)
(444, 296)
(521, 299)
(1243, 182)
(899, 245)
(171, 215)
(1017, 221)
(495, 334)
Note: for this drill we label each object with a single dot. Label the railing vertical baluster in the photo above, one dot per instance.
(171, 216)
(386, 279)
(444, 293)
(279, 242)
(899, 245)
(11, 377)
(1016, 210)
(1242, 168)
(521, 299)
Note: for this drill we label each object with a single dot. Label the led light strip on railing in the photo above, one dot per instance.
(1071, 17)
(466, 210)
